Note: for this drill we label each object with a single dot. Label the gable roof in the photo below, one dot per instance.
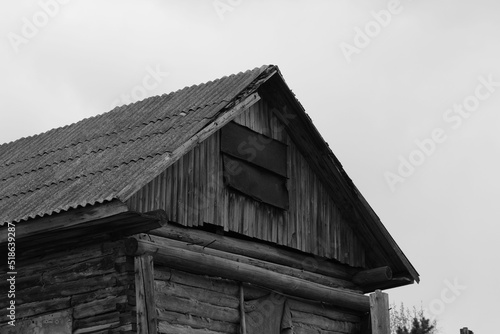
(111, 156)
(97, 159)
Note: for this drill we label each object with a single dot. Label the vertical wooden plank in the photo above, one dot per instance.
(144, 294)
(242, 311)
(273, 226)
(209, 175)
(190, 205)
(305, 218)
(196, 205)
(169, 183)
(142, 198)
(201, 166)
(164, 192)
(217, 181)
(157, 193)
(174, 192)
(292, 222)
(316, 218)
(379, 312)
(148, 196)
(185, 188)
(162, 185)
(325, 241)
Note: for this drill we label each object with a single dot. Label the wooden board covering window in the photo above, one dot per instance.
(255, 165)
(245, 144)
(256, 182)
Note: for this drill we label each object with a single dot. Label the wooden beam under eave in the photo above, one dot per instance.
(373, 276)
(65, 220)
(204, 264)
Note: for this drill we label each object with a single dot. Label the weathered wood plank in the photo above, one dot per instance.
(196, 307)
(144, 281)
(307, 329)
(165, 328)
(64, 289)
(36, 308)
(323, 310)
(97, 322)
(196, 321)
(98, 294)
(379, 312)
(223, 286)
(68, 257)
(243, 321)
(201, 294)
(99, 306)
(322, 323)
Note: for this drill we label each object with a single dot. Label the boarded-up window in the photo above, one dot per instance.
(254, 164)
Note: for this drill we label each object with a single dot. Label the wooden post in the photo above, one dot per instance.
(379, 312)
(242, 311)
(144, 293)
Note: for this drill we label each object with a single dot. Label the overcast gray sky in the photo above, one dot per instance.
(405, 92)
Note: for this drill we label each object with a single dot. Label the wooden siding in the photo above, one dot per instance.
(89, 284)
(192, 192)
(188, 303)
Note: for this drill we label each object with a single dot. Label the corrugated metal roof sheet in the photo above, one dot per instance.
(94, 160)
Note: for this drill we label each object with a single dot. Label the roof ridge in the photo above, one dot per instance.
(221, 78)
(83, 174)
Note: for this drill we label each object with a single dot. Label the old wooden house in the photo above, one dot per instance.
(218, 208)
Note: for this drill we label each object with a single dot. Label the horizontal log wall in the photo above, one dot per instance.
(160, 242)
(192, 192)
(188, 303)
(93, 284)
(191, 304)
(202, 263)
(257, 250)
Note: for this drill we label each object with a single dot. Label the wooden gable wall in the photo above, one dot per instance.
(192, 192)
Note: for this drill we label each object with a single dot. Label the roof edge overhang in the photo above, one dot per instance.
(92, 223)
